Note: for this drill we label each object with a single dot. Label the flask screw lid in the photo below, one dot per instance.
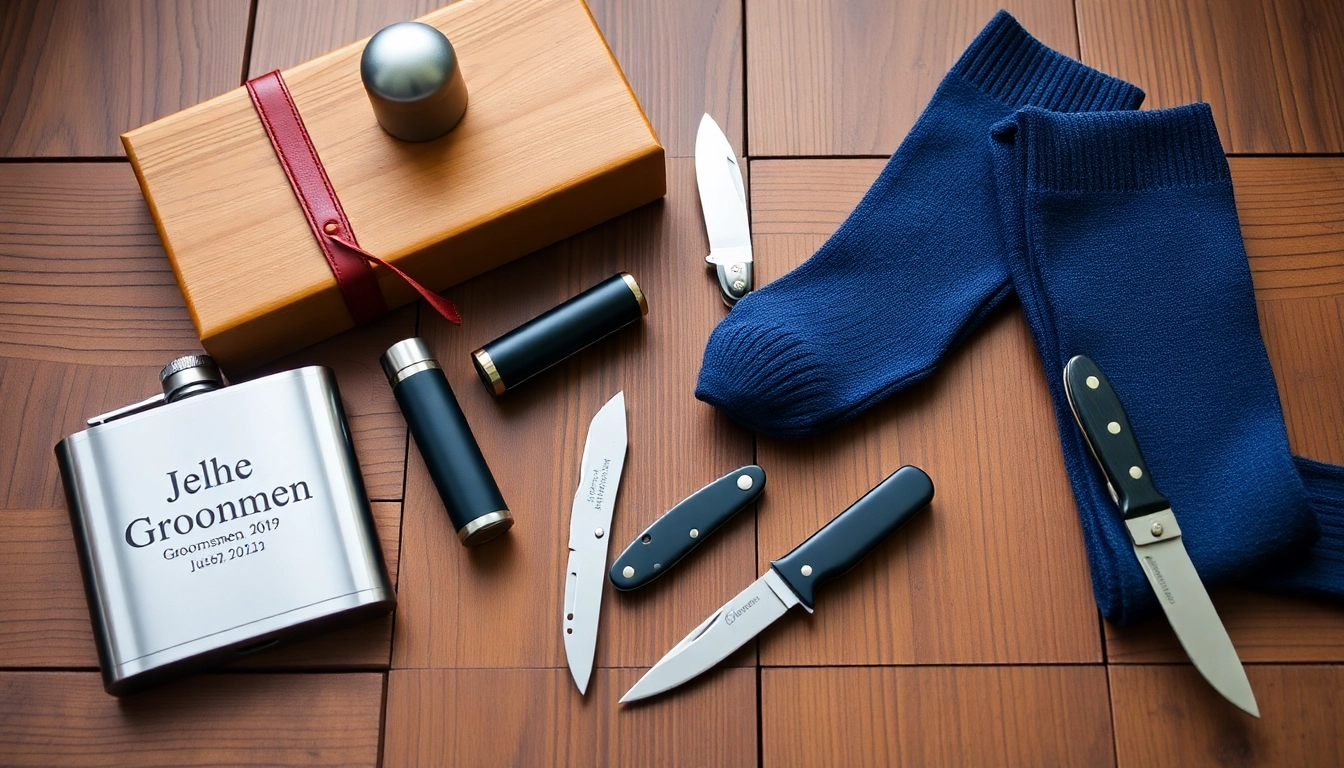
(189, 375)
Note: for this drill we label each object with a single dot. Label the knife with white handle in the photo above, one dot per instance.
(1154, 533)
(724, 202)
(791, 580)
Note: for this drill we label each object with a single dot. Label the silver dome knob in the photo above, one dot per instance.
(414, 82)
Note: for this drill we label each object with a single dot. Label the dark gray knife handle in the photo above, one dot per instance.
(1102, 418)
(844, 541)
(682, 528)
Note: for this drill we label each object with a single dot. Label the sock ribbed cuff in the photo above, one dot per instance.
(1122, 151)
(1010, 65)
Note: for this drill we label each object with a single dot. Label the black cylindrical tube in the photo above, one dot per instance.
(558, 333)
(444, 438)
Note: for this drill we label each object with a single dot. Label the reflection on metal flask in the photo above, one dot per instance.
(414, 81)
(441, 432)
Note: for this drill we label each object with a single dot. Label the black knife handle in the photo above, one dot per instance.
(1102, 418)
(683, 527)
(844, 541)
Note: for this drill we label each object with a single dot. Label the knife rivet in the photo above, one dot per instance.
(695, 533)
(739, 285)
(1157, 529)
(1135, 472)
(744, 482)
(628, 572)
(1113, 427)
(1093, 382)
(807, 570)
(599, 533)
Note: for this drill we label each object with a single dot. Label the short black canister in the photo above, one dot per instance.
(444, 438)
(560, 332)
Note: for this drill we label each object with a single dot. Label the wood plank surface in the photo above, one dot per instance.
(1017, 715)
(44, 617)
(952, 587)
(1168, 715)
(89, 313)
(75, 74)
(1272, 71)
(456, 602)
(849, 77)
(65, 718)
(681, 58)
(526, 717)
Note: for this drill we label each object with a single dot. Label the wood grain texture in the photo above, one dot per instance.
(74, 74)
(1272, 71)
(44, 618)
(1168, 715)
(64, 718)
(89, 313)
(849, 77)
(499, 605)
(682, 58)
(501, 717)
(552, 144)
(1038, 715)
(952, 587)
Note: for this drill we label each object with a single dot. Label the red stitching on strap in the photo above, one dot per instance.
(349, 263)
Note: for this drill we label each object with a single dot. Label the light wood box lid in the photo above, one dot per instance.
(553, 142)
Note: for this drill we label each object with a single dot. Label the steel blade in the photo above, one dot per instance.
(726, 630)
(722, 196)
(1195, 621)
(589, 528)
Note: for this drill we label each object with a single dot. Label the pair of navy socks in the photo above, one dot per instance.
(1029, 172)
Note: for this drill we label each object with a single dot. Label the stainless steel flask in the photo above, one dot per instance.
(215, 521)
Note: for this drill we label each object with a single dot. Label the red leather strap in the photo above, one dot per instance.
(349, 263)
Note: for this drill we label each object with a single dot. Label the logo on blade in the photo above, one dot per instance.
(1161, 582)
(734, 615)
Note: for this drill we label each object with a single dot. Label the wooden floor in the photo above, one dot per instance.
(971, 639)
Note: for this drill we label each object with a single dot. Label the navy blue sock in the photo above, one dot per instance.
(917, 265)
(1125, 247)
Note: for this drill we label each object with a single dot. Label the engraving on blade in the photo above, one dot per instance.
(1195, 621)
(726, 630)
(722, 196)
(589, 524)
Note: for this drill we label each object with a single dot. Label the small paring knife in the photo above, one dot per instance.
(791, 580)
(685, 526)
(1154, 533)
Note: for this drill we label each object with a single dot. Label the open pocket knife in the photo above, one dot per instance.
(724, 202)
(589, 532)
(1154, 533)
(791, 580)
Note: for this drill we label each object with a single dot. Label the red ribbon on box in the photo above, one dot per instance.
(349, 263)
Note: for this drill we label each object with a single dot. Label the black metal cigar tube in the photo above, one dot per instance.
(444, 438)
(558, 333)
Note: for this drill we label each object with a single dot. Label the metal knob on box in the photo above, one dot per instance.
(414, 81)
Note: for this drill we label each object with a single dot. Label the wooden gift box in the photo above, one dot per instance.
(553, 142)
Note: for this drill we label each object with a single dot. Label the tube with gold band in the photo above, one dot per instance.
(560, 332)
(468, 489)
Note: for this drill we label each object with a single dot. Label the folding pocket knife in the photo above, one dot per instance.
(724, 202)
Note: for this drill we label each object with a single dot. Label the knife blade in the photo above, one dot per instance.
(1154, 533)
(589, 532)
(724, 202)
(684, 527)
(791, 580)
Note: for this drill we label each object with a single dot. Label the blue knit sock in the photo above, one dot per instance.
(1124, 246)
(918, 264)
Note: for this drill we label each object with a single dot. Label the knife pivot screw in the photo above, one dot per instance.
(628, 572)
(744, 482)
(1156, 529)
(599, 533)
(1113, 427)
(806, 570)
(739, 285)
(1135, 472)
(1093, 382)
(695, 533)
